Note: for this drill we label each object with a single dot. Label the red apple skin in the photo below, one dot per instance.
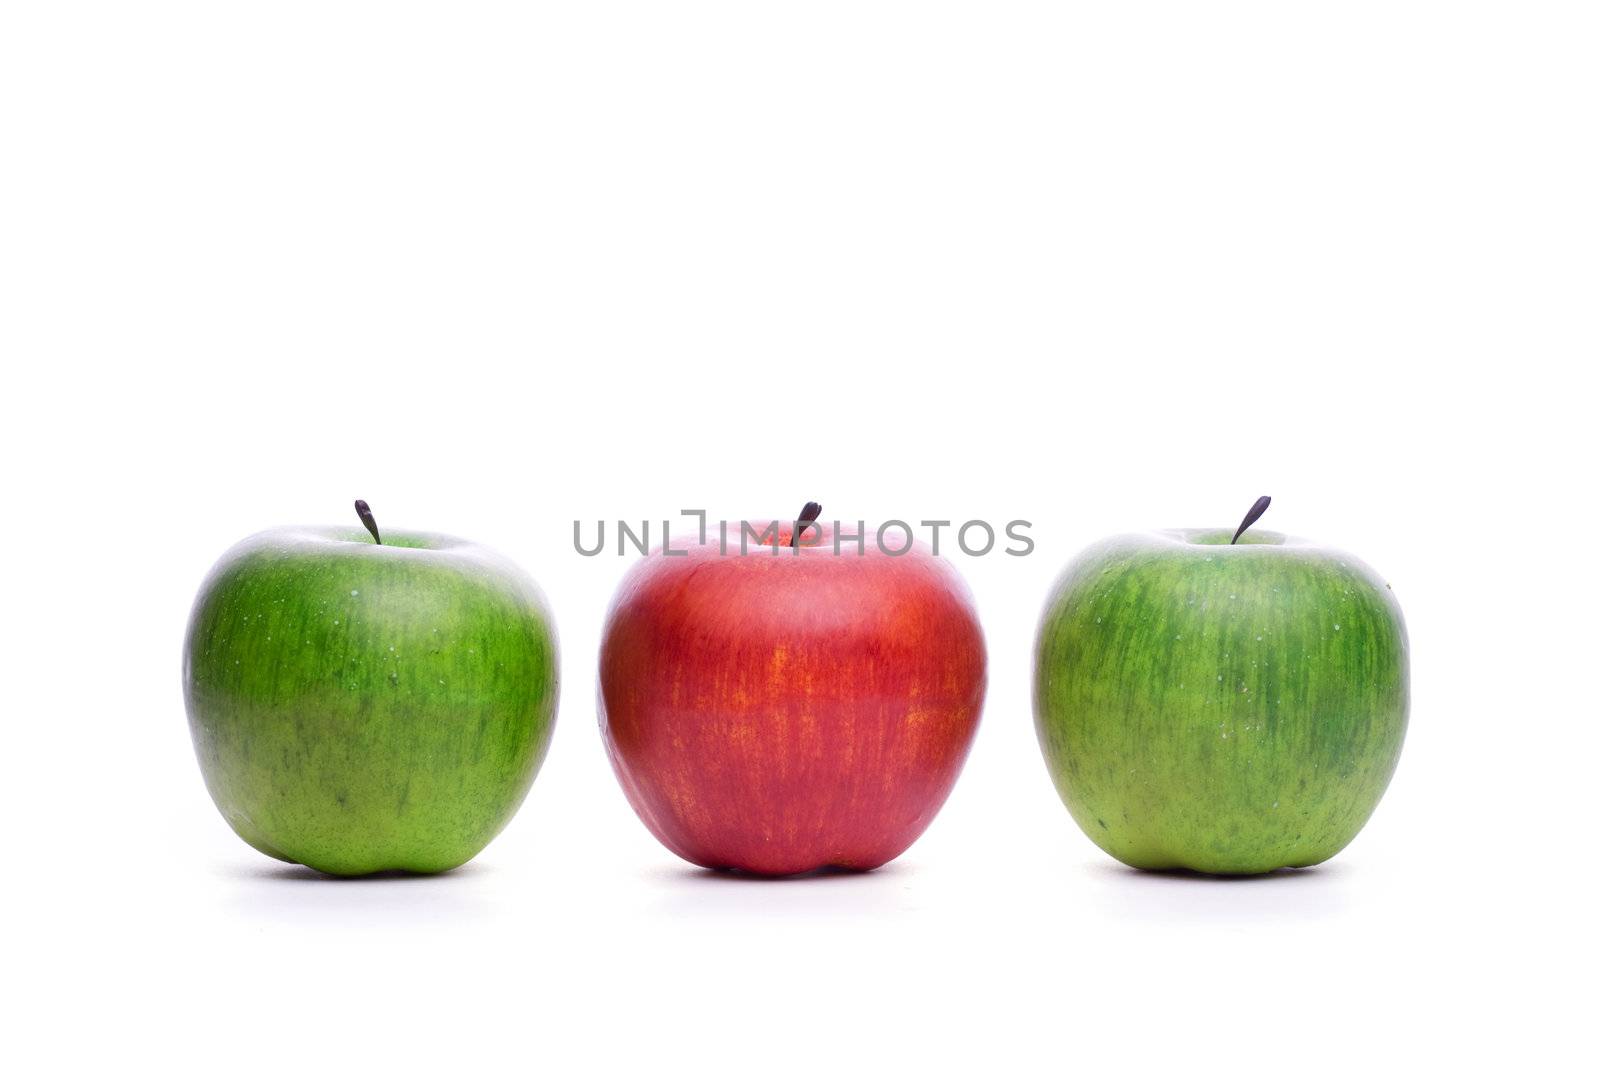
(781, 714)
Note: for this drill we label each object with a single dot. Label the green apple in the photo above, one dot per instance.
(1223, 707)
(361, 707)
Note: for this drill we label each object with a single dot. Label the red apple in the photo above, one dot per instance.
(784, 713)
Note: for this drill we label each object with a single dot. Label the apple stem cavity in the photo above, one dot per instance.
(367, 520)
(808, 515)
(1258, 509)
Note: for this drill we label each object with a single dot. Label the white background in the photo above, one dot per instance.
(499, 267)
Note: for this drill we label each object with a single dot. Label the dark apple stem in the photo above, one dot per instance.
(367, 520)
(808, 515)
(1258, 509)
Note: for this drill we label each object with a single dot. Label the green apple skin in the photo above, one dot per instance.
(361, 708)
(1230, 709)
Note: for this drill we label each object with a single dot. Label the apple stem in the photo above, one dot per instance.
(367, 520)
(808, 515)
(1257, 509)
